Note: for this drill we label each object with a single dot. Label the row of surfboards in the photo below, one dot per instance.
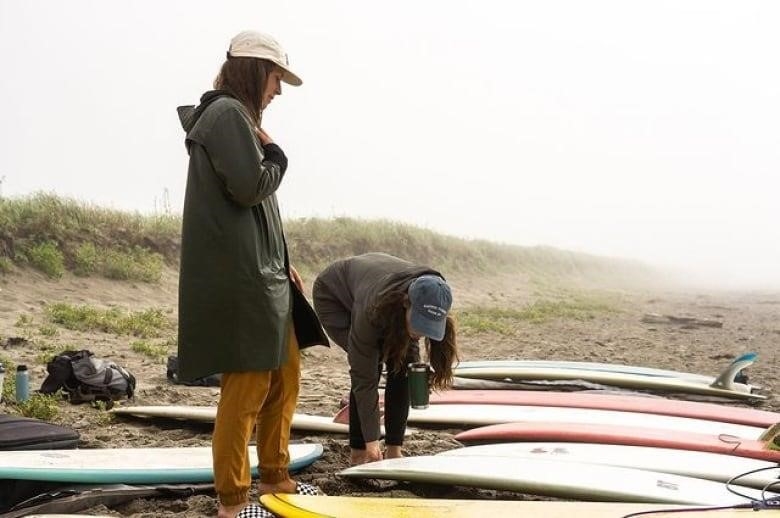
(610, 447)
(599, 453)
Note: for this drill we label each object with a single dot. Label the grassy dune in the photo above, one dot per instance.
(55, 234)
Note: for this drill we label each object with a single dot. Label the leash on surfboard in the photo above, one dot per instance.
(773, 504)
(768, 503)
(756, 504)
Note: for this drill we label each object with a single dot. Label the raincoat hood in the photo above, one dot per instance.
(190, 114)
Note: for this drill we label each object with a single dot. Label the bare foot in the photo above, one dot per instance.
(393, 452)
(285, 486)
(229, 511)
(372, 453)
(357, 457)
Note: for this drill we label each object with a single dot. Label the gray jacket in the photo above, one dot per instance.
(343, 295)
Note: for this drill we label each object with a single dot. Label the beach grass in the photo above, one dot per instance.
(151, 349)
(23, 321)
(148, 323)
(505, 321)
(55, 234)
(9, 382)
(46, 257)
(40, 406)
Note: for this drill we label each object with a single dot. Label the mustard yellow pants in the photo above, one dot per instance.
(266, 401)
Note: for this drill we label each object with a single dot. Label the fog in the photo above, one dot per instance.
(638, 129)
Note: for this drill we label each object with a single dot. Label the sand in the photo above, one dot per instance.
(751, 322)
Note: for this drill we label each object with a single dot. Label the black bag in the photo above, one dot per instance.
(173, 375)
(86, 378)
(26, 433)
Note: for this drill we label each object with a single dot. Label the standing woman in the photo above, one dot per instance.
(377, 307)
(241, 308)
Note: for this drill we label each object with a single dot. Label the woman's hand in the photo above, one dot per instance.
(296, 278)
(264, 137)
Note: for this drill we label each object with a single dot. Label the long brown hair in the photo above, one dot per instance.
(442, 355)
(245, 78)
(389, 314)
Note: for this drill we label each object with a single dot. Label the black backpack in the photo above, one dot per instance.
(86, 378)
(212, 380)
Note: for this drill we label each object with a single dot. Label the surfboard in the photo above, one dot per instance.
(625, 435)
(709, 466)
(723, 386)
(459, 383)
(649, 405)
(481, 415)
(741, 362)
(546, 477)
(131, 465)
(298, 506)
(207, 414)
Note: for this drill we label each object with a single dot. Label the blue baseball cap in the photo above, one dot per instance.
(431, 299)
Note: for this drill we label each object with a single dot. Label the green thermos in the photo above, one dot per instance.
(418, 384)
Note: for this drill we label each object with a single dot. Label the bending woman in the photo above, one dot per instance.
(377, 307)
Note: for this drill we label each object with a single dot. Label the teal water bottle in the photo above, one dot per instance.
(22, 384)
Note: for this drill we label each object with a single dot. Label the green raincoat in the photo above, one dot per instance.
(235, 296)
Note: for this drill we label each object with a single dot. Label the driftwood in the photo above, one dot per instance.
(687, 322)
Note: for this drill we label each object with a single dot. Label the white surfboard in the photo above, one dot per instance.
(592, 366)
(483, 415)
(730, 371)
(131, 465)
(723, 386)
(207, 414)
(709, 466)
(545, 477)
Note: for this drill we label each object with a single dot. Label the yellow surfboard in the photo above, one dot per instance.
(297, 506)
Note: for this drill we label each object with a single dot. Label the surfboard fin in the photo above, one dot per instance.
(726, 378)
(772, 434)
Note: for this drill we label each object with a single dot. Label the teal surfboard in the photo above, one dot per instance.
(131, 465)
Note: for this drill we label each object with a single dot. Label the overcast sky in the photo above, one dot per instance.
(640, 129)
